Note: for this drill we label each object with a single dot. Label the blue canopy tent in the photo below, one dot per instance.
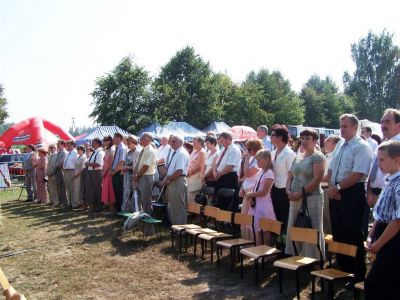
(100, 132)
(217, 127)
(187, 131)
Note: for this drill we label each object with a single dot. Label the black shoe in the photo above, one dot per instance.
(349, 285)
(28, 200)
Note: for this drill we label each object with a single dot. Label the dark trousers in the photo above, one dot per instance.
(118, 186)
(93, 188)
(280, 202)
(228, 181)
(346, 218)
(383, 280)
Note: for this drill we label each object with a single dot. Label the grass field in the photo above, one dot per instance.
(74, 257)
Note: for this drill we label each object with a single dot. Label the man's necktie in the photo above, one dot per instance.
(222, 156)
(136, 170)
(374, 170)
(339, 158)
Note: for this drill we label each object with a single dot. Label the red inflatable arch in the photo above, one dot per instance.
(32, 131)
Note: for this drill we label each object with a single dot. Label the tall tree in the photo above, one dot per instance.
(279, 102)
(375, 84)
(187, 90)
(121, 97)
(3, 106)
(323, 102)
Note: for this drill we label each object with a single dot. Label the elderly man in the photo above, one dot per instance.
(30, 172)
(61, 193)
(144, 172)
(117, 165)
(390, 126)
(347, 174)
(163, 150)
(94, 177)
(367, 132)
(176, 183)
(262, 134)
(50, 172)
(68, 170)
(226, 170)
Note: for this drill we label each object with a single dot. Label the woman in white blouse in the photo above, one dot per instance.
(249, 180)
(282, 161)
(211, 155)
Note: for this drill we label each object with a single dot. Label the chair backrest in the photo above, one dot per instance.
(342, 248)
(305, 235)
(270, 225)
(210, 211)
(243, 219)
(194, 208)
(224, 216)
(224, 192)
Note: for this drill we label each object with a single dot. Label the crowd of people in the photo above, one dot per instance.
(340, 181)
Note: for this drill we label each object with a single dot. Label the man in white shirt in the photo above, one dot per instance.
(94, 177)
(390, 125)
(226, 170)
(163, 150)
(367, 132)
(262, 134)
(176, 183)
(117, 165)
(68, 170)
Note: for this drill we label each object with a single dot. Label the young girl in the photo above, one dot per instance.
(383, 281)
(260, 199)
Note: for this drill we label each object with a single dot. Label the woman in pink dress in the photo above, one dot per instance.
(41, 179)
(107, 193)
(260, 199)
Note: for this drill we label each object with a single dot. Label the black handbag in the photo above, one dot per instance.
(201, 199)
(303, 219)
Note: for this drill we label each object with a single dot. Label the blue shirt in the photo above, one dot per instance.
(387, 207)
(267, 143)
(353, 156)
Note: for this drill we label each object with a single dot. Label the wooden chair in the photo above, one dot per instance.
(223, 217)
(297, 263)
(331, 274)
(262, 251)
(209, 215)
(209, 191)
(224, 193)
(193, 209)
(359, 286)
(235, 244)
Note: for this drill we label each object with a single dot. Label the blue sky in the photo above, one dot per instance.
(52, 51)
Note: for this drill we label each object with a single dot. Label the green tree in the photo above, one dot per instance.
(323, 102)
(279, 104)
(78, 130)
(375, 84)
(122, 97)
(187, 90)
(3, 106)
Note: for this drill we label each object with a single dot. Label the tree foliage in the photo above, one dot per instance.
(122, 97)
(3, 106)
(323, 102)
(375, 84)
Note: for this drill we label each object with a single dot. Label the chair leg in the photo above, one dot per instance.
(241, 266)
(195, 246)
(218, 260)
(233, 255)
(297, 285)
(256, 269)
(180, 241)
(331, 290)
(202, 249)
(322, 285)
(313, 287)
(280, 275)
(172, 238)
(262, 261)
(212, 251)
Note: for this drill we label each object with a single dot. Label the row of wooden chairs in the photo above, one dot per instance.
(210, 230)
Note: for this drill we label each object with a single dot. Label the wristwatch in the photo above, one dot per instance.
(338, 187)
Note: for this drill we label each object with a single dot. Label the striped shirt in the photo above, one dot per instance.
(387, 207)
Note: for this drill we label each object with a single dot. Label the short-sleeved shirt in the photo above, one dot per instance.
(120, 153)
(162, 152)
(70, 159)
(96, 157)
(387, 207)
(178, 161)
(131, 159)
(282, 165)
(350, 156)
(231, 157)
(303, 172)
(149, 159)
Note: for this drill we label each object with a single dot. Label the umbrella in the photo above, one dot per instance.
(243, 133)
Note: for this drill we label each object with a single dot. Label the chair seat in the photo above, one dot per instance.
(259, 251)
(197, 231)
(359, 285)
(294, 262)
(124, 214)
(331, 274)
(214, 236)
(235, 243)
(184, 227)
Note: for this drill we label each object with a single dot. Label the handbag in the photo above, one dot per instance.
(194, 183)
(303, 219)
(201, 199)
